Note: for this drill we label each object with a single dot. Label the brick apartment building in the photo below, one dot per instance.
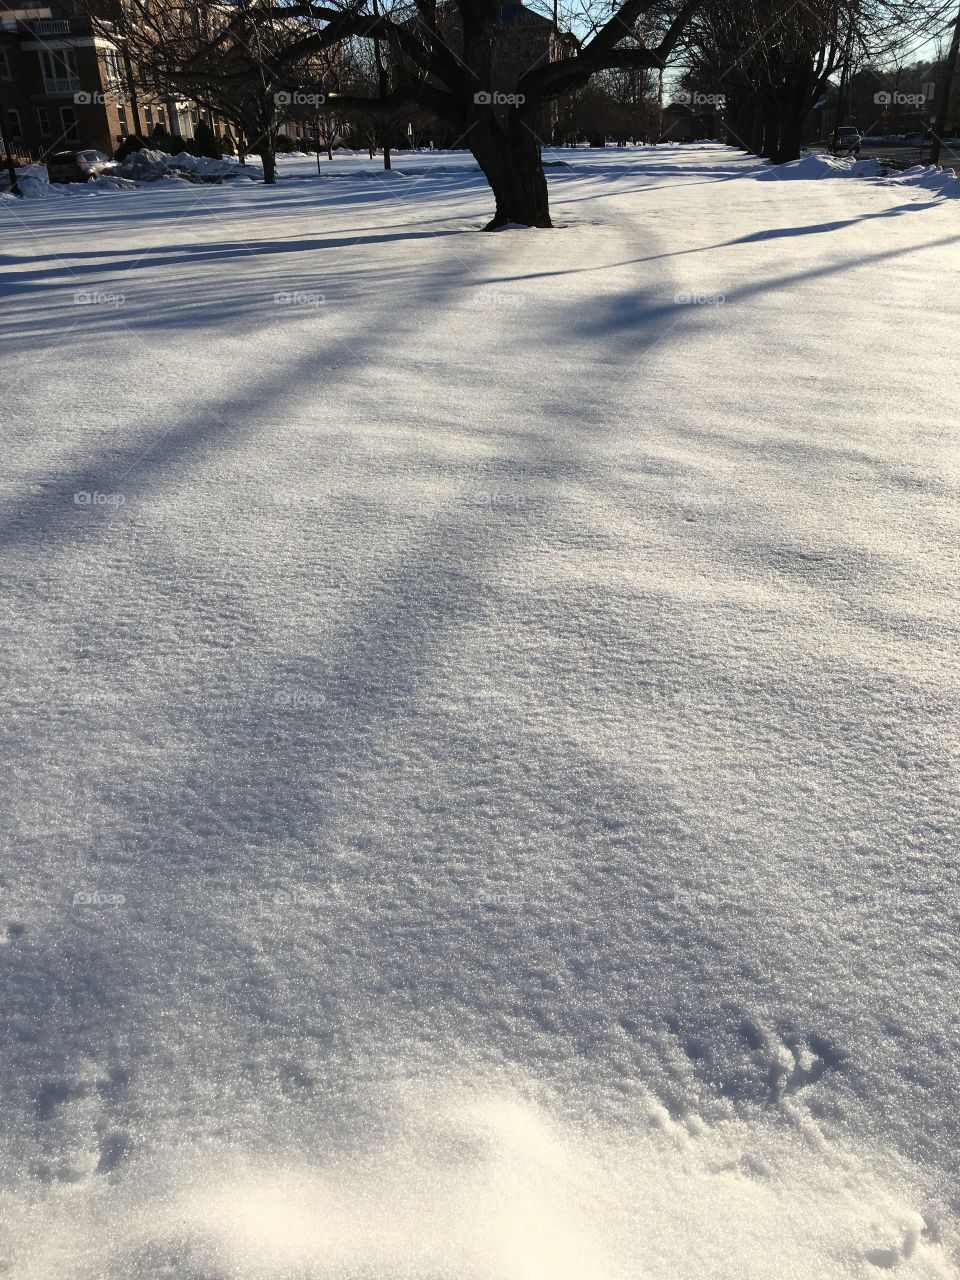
(64, 85)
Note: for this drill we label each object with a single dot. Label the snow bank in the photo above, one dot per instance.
(152, 166)
(140, 168)
(206, 166)
(813, 166)
(34, 184)
(930, 177)
(112, 182)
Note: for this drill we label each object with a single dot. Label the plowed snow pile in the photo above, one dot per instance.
(482, 728)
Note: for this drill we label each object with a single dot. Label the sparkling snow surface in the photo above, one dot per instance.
(482, 728)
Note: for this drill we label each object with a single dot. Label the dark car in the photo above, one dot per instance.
(78, 166)
(845, 141)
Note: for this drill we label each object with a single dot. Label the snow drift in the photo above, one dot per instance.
(811, 167)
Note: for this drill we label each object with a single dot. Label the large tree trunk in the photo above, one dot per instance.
(509, 155)
(269, 161)
(795, 107)
(744, 125)
(383, 88)
(788, 148)
(755, 134)
(771, 132)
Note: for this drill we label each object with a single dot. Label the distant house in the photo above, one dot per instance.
(523, 40)
(683, 123)
(64, 85)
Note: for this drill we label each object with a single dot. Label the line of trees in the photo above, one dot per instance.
(617, 104)
(904, 83)
(770, 63)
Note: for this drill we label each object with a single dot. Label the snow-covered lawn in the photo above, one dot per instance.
(482, 728)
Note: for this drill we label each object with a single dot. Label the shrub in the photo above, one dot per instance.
(206, 143)
(160, 140)
(128, 145)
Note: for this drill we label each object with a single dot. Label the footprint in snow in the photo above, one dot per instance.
(887, 1259)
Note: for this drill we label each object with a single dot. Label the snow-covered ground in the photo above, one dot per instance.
(482, 728)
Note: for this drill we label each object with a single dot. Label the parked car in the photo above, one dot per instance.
(78, 166)
(845, 141)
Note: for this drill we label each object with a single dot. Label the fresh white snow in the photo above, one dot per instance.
(481, 735)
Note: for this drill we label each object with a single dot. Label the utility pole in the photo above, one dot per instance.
(940, 123)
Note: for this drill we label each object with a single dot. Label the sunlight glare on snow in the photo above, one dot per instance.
(491, 1186)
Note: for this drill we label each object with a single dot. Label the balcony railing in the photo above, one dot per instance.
(49, 26)
(63, 84)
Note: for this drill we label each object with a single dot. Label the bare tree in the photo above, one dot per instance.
(771, 63)
(949, 71)
(227, 61)
(455, 59)
(767, 63)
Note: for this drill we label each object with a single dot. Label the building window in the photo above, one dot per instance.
(43, 119)
(71, 130)
(122, 117)
(59, 67)
(114, 71)
(13, 124)
(5, 72)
